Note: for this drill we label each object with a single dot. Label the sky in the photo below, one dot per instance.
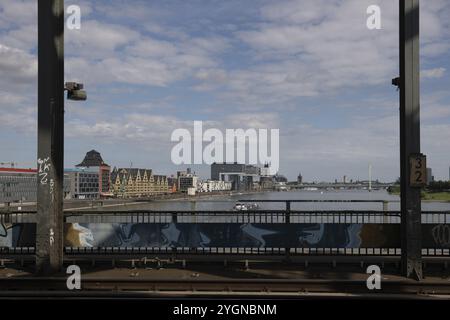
(310, 68)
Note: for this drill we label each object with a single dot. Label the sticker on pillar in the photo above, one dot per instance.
(418, 170)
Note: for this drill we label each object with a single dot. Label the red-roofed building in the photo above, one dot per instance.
(17, 170)
(93, 160)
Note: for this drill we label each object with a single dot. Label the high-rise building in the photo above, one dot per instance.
(218, 170)
(240, 175)
(300, 178)
(430, 177)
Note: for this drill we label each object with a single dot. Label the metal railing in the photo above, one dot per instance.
(253, 216)
(439, 220)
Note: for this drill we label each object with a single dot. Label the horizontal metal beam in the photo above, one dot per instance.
(92, 286)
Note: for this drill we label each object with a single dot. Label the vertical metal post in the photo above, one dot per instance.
(49, 232)
(288, 211)
(288, 221)
(410, 137)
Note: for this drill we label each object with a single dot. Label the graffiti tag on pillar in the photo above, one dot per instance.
(52, 237)
(43, 170)
(441, 235)
(52, 189)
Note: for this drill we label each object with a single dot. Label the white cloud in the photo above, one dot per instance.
(433, 73)
(311, 48)
(98, 39)
(254, 121)
(23, 120)
(145, 60)
(17, 12)
(25, 37)
(266, 62)
(298, 11)
(17, 67)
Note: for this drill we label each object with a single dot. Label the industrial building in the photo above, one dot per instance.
(241, 176)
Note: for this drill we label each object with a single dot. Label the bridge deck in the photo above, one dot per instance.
(231, 280)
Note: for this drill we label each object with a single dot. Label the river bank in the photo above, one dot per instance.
(425, 195)
(155, 201)
(197, 196)
(94, 204)
(226, 200)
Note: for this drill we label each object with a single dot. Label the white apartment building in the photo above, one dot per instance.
(213, 185)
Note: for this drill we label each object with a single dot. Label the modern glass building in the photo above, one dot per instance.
(20, 185)
(84, 183)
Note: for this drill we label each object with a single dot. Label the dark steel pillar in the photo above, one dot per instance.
(49, 236)
(410, 138)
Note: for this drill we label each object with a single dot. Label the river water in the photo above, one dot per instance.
(227, 202)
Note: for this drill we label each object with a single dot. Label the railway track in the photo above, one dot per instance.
(148, 288)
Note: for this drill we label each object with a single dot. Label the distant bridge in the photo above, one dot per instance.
(326, 185)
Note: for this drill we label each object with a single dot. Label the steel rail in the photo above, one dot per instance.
(97, 286)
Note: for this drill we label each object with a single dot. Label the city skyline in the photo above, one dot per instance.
(158, 67)
(70, 168)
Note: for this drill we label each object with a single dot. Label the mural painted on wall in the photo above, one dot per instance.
(17, 235)
(228, 235)
(5, 235)
(231, 235)
(438, 236)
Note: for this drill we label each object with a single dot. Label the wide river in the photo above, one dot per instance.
(227, 202)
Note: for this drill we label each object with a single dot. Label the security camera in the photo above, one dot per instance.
(396, 82)
(77, 95)
(75, 91)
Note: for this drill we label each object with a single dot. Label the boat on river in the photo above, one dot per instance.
(245, 206)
